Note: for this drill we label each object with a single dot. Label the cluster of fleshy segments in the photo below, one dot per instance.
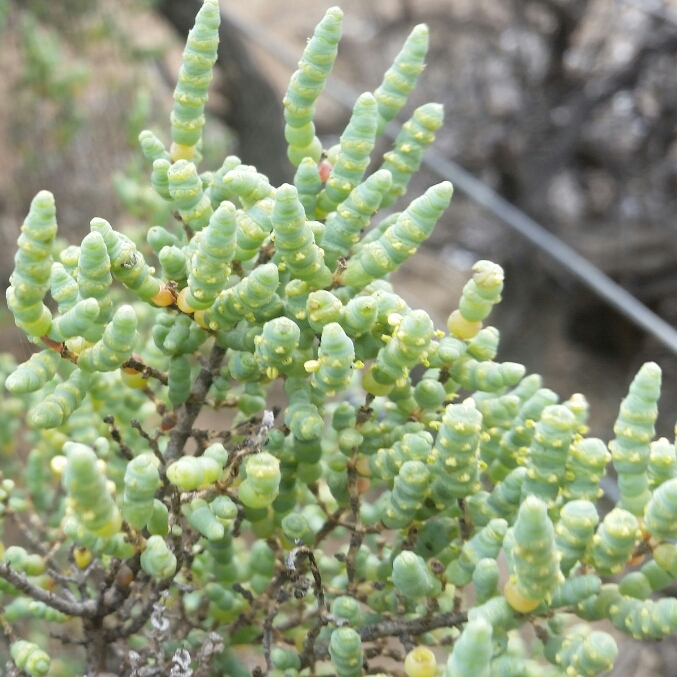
(634, 430)
(371, 467)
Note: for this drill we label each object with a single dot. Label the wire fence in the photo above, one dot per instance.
(578, 266)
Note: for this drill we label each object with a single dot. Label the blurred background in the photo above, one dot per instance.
(566, 108)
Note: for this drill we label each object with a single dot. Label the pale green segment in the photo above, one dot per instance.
(127, 264)
(657, 577)
(585, 467)
(141, 481)
(407, 495)
(308, 183)
(471, 655)
(191, 93)
(30, 279)
(210, 264)
(63, 287)
(250, 187)
(548, 453)
(159, 178)
(485, 579)
(25, 607)
(253, 227)
(498, 413)
(401, 240)
(484, 345)
(644, 619)
(345, 651)
(448, 350)
(203, 520)
(302, 416)
(217, 189)
(116, 344)
(185, 188)
(307, 84)
(486, 376)
(34, 373)
(196, 337)
(295, 526)
(405, 159)
(429, 393)
(249, 298)
(94, 280)
(19, 559)
(528, 387)
(456, 453)
(69, 258)
(482, 291)
(535, 557)
(661, 510)
(584, 651)
(386, 463)
(56, 407)
(357, 142)
(412, 577)
(634, 430)
(171, 332)
(175, 264)
(614, 542)
(662, 462)
(274, 347)
(486, 542)
(575, 590)
(506, 496)
(344, 226)
(335, 356)
(317, 228)
(580, 408)
(516, 441)
(157, 559)
(381, 228)
(178, 380)
(294, 241)
(359, 315)
(322, 308)
(76, 321)
(86, 486)
(152, 148)
(400, 78)
(30, 658)
(635, 584)
(33, 260)
(190, 472)
(261, 486)
(408, 347)
(577, 523)
(495, 611)
(244, 367)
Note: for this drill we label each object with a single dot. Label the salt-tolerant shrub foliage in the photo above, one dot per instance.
(363, 508)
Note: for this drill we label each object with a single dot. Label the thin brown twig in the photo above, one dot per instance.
(19, 581)
(332, 522)
(190, 410)
(152, 440)
(145, 370)
(114, 431)
(142, 617)
(281, 597)
(356, 535)
(398, 626)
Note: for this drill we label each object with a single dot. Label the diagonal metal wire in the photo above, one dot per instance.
(549, 244)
